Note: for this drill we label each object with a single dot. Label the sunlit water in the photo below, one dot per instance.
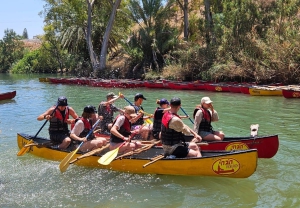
(28, 181)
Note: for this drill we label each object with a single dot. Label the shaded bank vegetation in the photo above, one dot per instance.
(228, 40)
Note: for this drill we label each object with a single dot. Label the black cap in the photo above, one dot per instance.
(139, 95)
(175, 101)
(89, 109)
(163, 101)
(62, 101)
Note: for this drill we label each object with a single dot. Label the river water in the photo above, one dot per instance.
(29, 181)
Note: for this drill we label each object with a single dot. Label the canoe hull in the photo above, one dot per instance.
(267, 146)
(291, 93)
(265, 92)
(235, 164)
(7, 95)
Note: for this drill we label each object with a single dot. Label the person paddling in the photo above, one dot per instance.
(106, 110)
(139, 123)
(58, 128)
(173, 131)
(204, 114)
(81, 129)
(121, 131)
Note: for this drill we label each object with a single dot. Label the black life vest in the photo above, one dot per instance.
(58, 123)
(124, 130)
(157, 119)
(140, 121)
(170, 136)
(205, 124)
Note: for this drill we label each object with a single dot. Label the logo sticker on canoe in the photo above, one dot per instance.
(218, 89)
(226, 166)
(296, 94)
(236, 146)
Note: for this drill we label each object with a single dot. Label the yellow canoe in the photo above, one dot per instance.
(43, 79)
(265, 91)
(232, 164)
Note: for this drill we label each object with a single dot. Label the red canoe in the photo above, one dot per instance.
(291, 93)
(267, 146)
(7, 95)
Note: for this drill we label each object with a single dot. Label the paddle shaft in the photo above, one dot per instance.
(187, 115)
(91, 131)
(45, 122)
(154, 160)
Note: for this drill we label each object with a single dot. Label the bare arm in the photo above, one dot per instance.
(46, 114)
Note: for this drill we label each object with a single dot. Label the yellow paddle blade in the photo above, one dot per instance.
(64, 164)
(24, 149)
(108, 157)
(148, 121)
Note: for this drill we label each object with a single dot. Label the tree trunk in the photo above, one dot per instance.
(93, 57)
(104, 47)
(210, 35)
(185, 8)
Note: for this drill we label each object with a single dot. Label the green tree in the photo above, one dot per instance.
(154, 37)
(11, 50)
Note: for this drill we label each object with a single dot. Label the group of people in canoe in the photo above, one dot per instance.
(131, 126)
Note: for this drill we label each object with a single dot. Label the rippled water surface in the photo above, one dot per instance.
(28, 181)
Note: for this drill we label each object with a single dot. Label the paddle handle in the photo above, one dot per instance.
(187, 115)
(93, 128)
(45, 122)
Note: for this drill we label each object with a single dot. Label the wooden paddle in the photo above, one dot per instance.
(110, 156)
(90, 153)
(153, 160)
(64, 164)
(26, 147)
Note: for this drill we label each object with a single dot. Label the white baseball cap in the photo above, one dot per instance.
(206, 100)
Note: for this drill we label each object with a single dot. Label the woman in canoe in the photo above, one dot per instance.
(204, 114)
(158, 114)
(59, 119)
(173, 131)
(82, 127)
(121, 131)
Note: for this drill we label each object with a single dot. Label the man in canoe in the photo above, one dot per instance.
(59, 119)
(144, 129)
(106, 110)
(82, 127)
(121, 131)
(204, 114)
(173, 131)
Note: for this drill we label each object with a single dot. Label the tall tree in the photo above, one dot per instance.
(11, 50)
(25, 34)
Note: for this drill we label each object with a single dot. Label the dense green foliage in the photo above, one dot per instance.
(242, 41)
(11, 50)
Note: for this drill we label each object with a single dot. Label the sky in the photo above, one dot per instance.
(20, 14)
